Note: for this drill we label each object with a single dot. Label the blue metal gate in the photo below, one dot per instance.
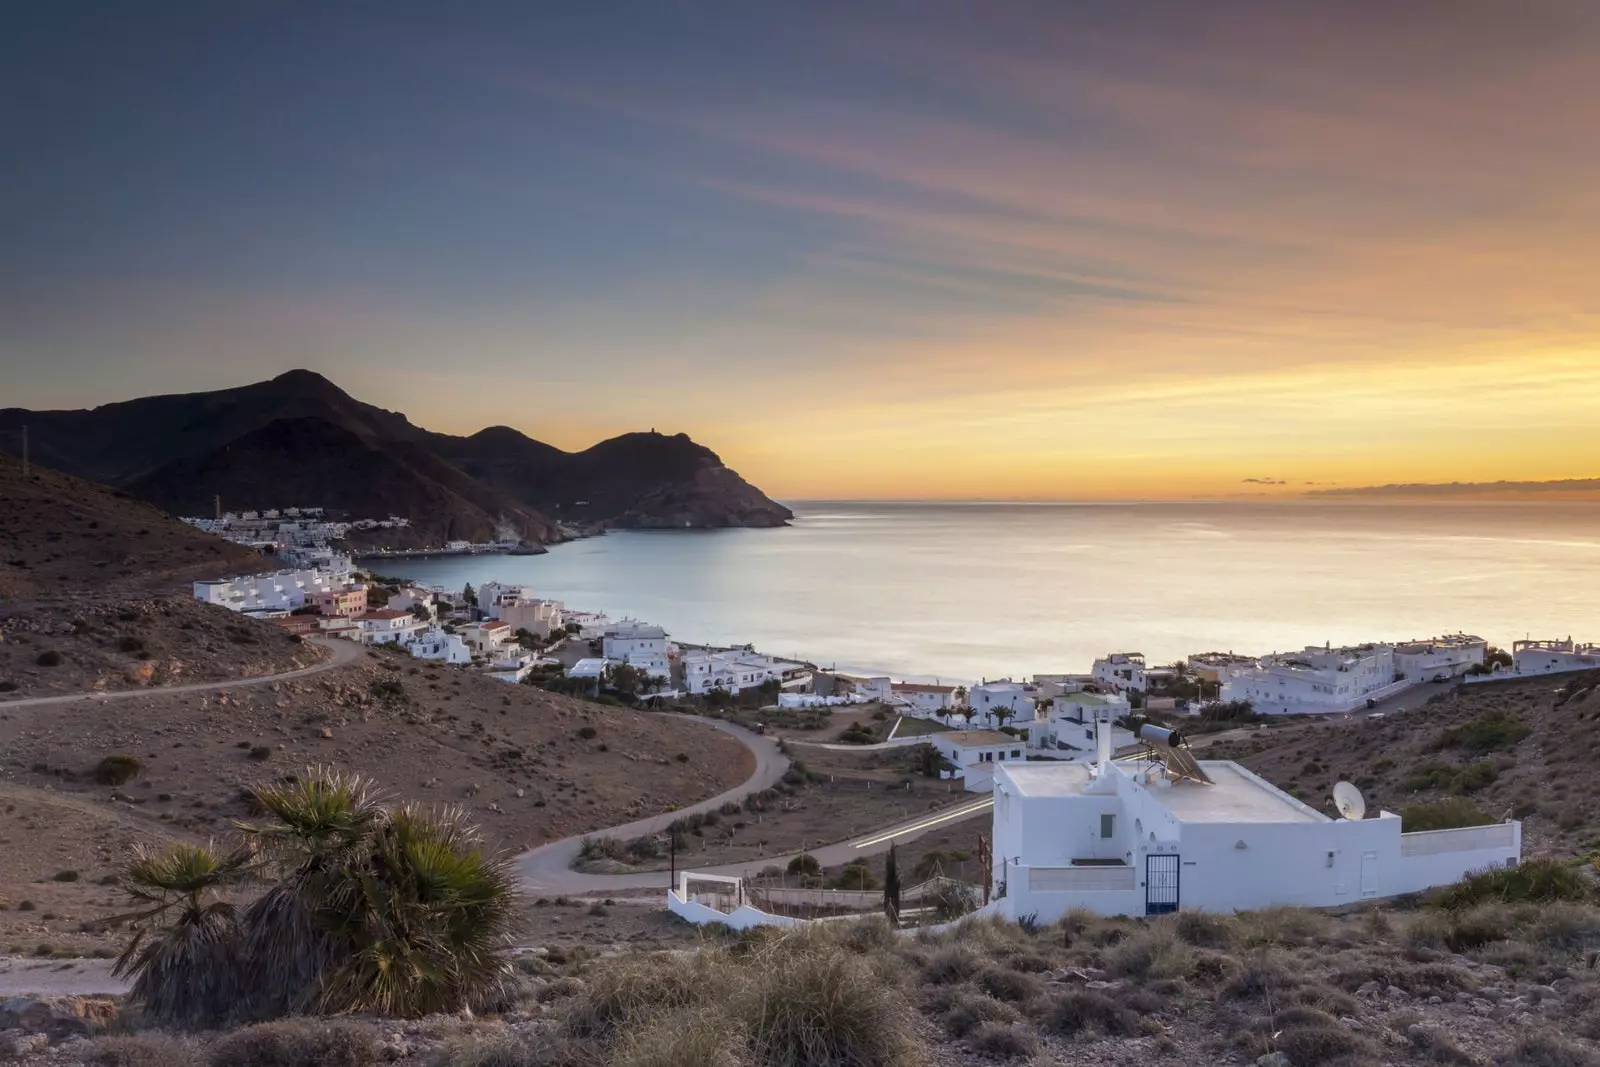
(1161, 883)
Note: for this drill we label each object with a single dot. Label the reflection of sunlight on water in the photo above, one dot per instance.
(1198, 530)
(967, 591)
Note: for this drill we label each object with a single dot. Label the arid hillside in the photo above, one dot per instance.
(528, 766)
(61, 534)
(1523, 748)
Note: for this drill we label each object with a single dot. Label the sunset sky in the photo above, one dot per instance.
(1052, 250)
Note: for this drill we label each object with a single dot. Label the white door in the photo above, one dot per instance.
(1369, 874)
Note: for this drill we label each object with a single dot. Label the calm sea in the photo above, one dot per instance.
(966, 591)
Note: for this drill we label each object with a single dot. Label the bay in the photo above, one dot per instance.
(970, 591)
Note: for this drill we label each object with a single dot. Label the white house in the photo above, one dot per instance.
(1553, 657)
(436, 644)
(1143, 839)
(974, 754)
(492, 596)
(511, 666)
(1002, 702)
(1439, 658)
(1317, 680)
(639, 645)
(279, 591)
(1068, 729)
(876, 688)
(1121, 671)
(387, 627)
(413, 597)
(1218, 667)
(736, 669)
(924, 699)
(1054, 685)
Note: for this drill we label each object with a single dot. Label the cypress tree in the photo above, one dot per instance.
(891, 888)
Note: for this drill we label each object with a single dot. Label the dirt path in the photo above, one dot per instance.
(341, 654)
(77, 978)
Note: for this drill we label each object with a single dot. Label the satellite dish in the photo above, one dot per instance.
(1348, 799)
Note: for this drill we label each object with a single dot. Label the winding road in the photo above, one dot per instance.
(341, 654)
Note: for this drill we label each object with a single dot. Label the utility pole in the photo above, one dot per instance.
(24, 452)
(217, 503)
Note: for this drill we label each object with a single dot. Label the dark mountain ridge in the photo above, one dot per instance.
(298, 439)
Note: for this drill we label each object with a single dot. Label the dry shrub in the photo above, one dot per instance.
(141, 1050)
(1288, 927)
(639, 989)
(507, 1048)
(296, 1043)
(1568, 927)
(1013, 986)
(966, 1011)
(1004, 1042)
(1441, 1047)
(871, 934)
(1154, 952)
(1313, 1045)
(1029, 963)
(1323, 997)
(1088, 1010)
(798, 999)
(1202, 930)
(690, 1039)
(1545, 1048)
(951, 964)
(809, 1004)
(1259, 976)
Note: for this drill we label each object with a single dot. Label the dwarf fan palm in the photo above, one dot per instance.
(187, 973)
(397, 912)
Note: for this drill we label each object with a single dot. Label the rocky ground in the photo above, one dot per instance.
(1494, 983)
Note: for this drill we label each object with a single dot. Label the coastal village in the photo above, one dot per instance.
(1051, 750)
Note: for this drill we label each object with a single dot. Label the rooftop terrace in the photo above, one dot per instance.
(1235, 794)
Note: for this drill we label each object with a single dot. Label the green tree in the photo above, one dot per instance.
(891, 888)
(968, 712)
(469, 596)
(627, 679)
(1001, 714)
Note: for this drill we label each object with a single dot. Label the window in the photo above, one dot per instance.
(1108, 825)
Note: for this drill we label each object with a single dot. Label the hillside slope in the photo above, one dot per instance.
(298, 439)
(59, 533)
(1525, 749)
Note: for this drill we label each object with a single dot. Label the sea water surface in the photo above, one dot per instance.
(970, 591)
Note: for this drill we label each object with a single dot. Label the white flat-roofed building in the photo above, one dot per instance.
(436, 644)
(413, 597)
(974, 753)
(387, 627)
(1553, 657)
(1316, 680)
(1067, 729)
(283, 590)
(511, 667)
(639, 645)
(1121, 671)
(1138, 839)
(1439, 658)
(736, 670)
(1002, 702)
(923, 698)
(595, 668)
(492, 596)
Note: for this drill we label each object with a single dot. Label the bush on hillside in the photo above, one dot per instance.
(50, 658)
(118, 770)
(297, 1043)
(1489, 732)
(1443, 815)
(139, 1050)
(805, 864)
(1534, 881)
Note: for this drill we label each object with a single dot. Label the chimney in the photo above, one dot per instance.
(1102, 734)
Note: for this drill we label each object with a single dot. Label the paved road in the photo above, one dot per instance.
(341, 654)
(547, 869)
(899, 742)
